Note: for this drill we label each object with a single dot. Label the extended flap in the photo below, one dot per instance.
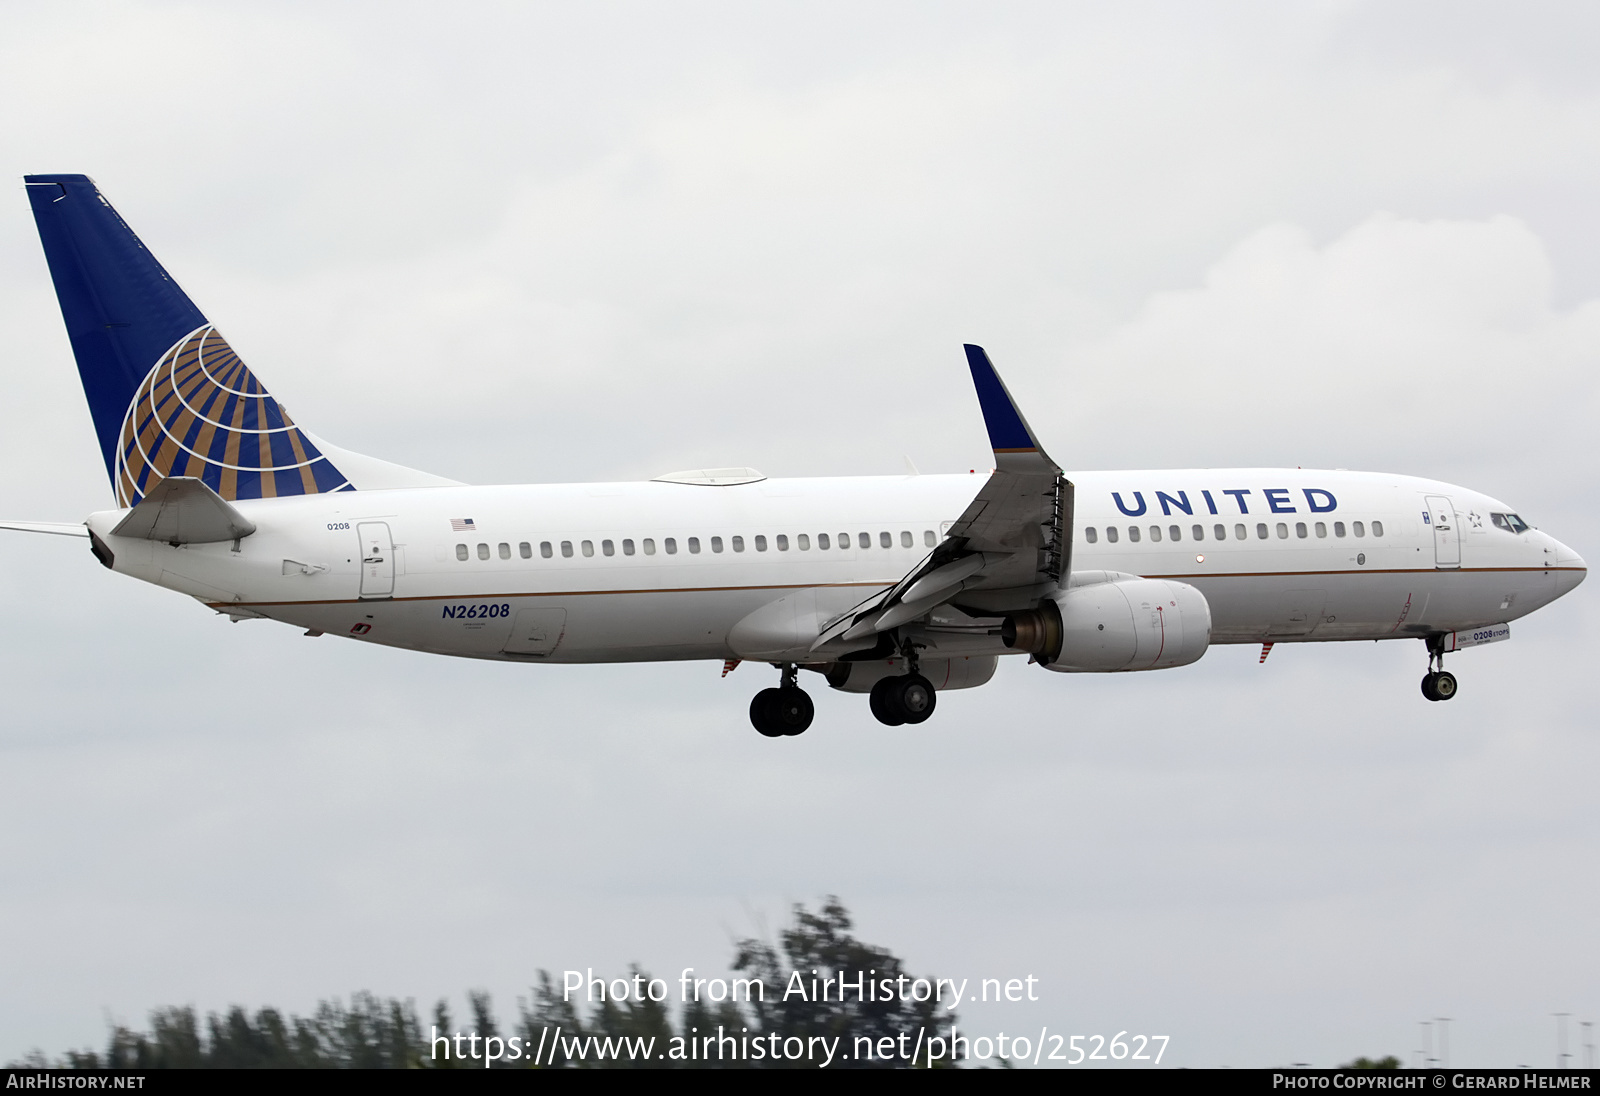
(183, 510)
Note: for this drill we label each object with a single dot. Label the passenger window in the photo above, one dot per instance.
(588, 549)
(566, 549)
(823, 544)
(885, 540)
(544, 549)
(671, 545)
(782, 541)
(906, 539)
(627, 547)
(461, 551)
(1283, 531)
(1238, 532)
(1090, 535)
(1133, 533)
(1220, 532)
(1155, 533)
(525, 550)
(1175, 533)
(1322, 529)
(649, 546)
(1377, 528)
(1261, 530)
(694, 546)
(864, 540)
(1111, 534)
(1338, 528)
(737, 543)
(716, 544)
(1358, 529)
(803, 542)
(608, 548)
(505, 550)
(928, 538)
(761, 544)
(844, 541)
(1300, 530)
(1199, 532)
(483, 551)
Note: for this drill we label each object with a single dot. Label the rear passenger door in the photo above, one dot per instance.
(377, 559)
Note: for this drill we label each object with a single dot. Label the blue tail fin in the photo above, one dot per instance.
(168, 394)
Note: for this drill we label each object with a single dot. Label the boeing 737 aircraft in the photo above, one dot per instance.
(894, 586)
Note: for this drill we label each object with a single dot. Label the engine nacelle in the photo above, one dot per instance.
(962, 672)
(1123, 624)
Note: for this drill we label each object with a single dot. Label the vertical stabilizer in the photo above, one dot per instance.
(168, 394)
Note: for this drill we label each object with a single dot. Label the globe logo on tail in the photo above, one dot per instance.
(200, 412)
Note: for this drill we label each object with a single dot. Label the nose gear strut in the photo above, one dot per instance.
(1437, 684)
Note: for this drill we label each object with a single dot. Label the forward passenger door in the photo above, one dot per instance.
(1446, 536)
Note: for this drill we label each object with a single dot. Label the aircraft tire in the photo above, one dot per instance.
(793, 711)
(1429, 681)
(764, 713)
(1444, 685)
(916, 698)
(885, 702)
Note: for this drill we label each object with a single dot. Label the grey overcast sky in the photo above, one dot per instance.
(547, 242)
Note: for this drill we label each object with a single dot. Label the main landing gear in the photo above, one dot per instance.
(1437, 684)
(786, 710)
(908, 698)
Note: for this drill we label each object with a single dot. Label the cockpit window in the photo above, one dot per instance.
(1511, 523)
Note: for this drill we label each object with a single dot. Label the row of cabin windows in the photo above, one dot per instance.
(781, 542)
(1240, 531)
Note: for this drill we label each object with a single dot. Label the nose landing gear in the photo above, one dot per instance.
(784, 711)
(1437, 684)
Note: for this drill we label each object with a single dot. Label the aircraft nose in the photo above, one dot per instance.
(1570, 569)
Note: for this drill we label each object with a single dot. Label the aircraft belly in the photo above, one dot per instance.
(558, 628)
(1365, 606)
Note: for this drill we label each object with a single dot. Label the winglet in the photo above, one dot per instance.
(1015, 446)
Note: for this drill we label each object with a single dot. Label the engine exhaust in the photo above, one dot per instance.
(1037, 631)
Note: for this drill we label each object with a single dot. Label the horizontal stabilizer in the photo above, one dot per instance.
(57, 528)
(183, 510)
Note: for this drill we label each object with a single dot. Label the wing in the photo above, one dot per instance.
(1009, 548)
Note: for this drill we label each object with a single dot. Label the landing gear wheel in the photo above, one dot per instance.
(908, 699)
(885, 702)
(1444, 685)
(764, 713)
(777, 713)
(1439, 686)
(793, 710)
(917, 698)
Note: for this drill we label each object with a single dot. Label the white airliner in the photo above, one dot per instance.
(896, 586)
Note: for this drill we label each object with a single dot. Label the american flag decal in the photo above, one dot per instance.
(462, 525)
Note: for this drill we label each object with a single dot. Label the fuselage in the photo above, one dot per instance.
(619, 572)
